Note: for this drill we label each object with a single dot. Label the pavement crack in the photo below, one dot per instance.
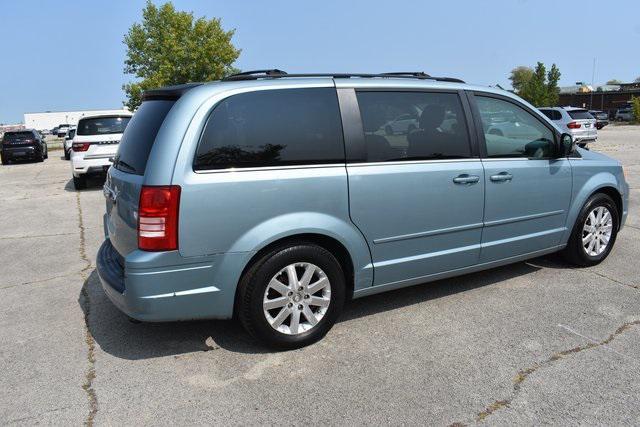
(604, 276)
(34, 237)
(90, 373)
(523, 374)
(36, 281)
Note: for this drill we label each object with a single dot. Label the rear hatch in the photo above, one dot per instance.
(587, 123)
(125, 177)
(101, 135)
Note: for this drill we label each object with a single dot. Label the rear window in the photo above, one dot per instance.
(273, 128)
(138, 138)
(580, 114)
(15, 136)
(102, 125)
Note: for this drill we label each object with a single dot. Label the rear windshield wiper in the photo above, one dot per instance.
(126, 165)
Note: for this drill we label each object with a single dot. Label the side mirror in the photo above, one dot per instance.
(567, 146)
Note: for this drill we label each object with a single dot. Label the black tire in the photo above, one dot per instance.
(67, 154)
(46, 153)
(80, 183)
(4, 160)
(575, 252)
(40, 157)
(253, 286)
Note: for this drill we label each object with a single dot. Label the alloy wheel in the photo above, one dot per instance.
(597, 231)
(297, 298)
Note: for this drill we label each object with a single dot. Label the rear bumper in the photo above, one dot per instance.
(29, 152)
(162, 287)
(83, 166)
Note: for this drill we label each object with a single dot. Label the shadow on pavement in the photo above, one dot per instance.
(94, 183)
(118, 336)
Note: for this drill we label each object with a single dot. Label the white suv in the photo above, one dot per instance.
(575, 121)
(95, 144)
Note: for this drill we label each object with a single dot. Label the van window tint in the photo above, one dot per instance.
(511, 131)
(101, 125)
(273, 128)
(413, 126)
(580, 114)
(138, 137)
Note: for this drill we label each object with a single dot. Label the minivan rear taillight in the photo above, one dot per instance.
(574, 125)
(80, 146)
(158, 218)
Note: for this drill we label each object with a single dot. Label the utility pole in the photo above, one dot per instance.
(593, 75)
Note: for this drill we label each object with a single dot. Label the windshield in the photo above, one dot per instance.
(102, 125)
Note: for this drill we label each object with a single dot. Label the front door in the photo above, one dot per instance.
(528, 190)
(417, 195)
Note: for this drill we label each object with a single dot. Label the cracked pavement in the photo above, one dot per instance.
(531, 343)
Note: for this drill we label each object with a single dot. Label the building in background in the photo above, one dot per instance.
(607, 98)
(50, 119)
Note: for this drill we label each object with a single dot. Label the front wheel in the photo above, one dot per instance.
(594, 232)
(292, 296)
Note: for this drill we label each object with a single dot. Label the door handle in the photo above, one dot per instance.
(466, 179)
(501, 177)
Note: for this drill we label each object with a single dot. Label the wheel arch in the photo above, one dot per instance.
(605, 183)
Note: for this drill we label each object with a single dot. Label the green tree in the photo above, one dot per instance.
(635, 107)
(542, 88)
(520, 76)
(614, 82)
(171, 47)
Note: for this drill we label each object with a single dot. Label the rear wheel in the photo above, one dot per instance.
(67, 154)
(292, 296)
(80, 182)
(594, 232)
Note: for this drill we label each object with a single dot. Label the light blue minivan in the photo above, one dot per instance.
(274, 197)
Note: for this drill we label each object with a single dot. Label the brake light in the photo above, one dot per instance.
(158, 218)
(80, 146)
(574, 125)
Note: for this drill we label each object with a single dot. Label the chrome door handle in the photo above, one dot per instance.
(502, 176)
(466, 179)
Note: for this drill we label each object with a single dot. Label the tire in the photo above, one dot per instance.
(67, 154)
(46, 152)
(575, 252)
(40, 157)
(388, 130)
(256, 286)
(80, 182)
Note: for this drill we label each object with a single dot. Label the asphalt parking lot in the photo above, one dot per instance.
(531, 343)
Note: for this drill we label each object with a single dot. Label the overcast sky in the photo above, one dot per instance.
(68, 55)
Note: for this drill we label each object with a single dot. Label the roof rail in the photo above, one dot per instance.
(254, 74)
(275, 73)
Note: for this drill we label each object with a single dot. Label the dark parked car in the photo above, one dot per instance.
(23, 145)
(602, 118)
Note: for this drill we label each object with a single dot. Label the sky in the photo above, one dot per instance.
(69, 55)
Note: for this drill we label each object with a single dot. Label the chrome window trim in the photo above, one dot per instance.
(268, 168)
(412, 162)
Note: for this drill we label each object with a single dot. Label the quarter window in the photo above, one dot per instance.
(511, 131)
(273, 128)
(413, 126)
